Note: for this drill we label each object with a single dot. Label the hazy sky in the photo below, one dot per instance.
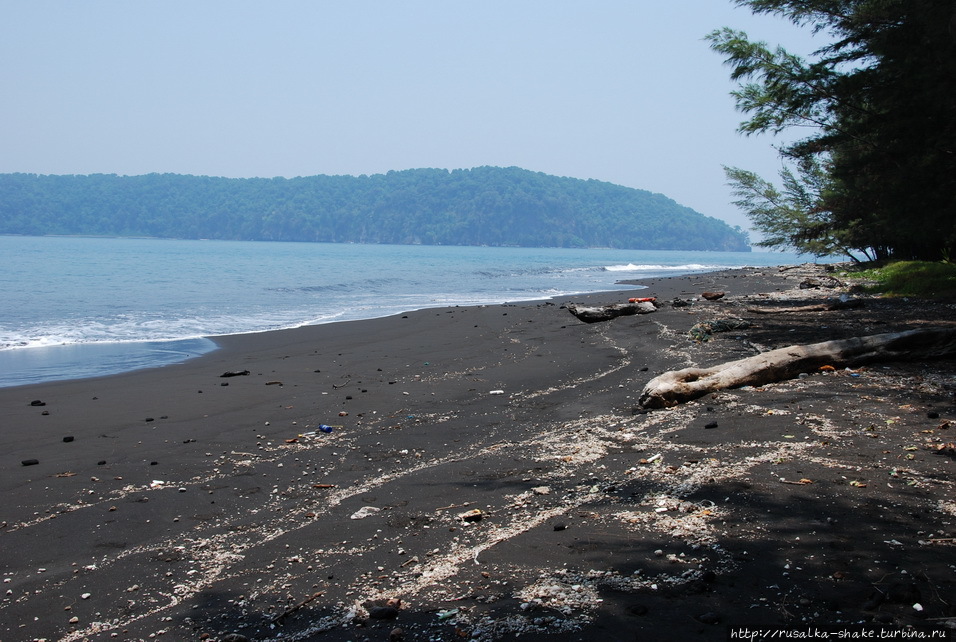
(625, 91)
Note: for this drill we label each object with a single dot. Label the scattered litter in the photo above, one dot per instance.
(497, 392)
(705, 330)
(474, 515)
(365, 511)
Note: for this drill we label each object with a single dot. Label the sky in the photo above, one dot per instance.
(623, 91)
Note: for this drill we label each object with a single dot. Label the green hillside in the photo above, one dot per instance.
(481, 206)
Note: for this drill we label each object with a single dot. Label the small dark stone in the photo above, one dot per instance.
(224, 384)
(560, 526)
(383, 613)
(712, 424)
(101, 462)
(873, 603)
(708, 576)
(637, 609)
(396, 635)
(68, 439)
(30, 462)
(165, 417)
(709, 618)
(903, 593)
(644, 369)
(153, 463)
(348, 397)
(149, 420)
(45, 413)
(235, 373)
(932, 415)
(37, 402)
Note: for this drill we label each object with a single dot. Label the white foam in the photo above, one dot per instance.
(689, 267)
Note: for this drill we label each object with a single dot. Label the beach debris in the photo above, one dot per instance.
(497, 392)
(364, 512)
(642, 299)
(704, 331)
(386, 612)
(30, 462)
(472, 516)
(800, 482)
(678, 386)
(37, 402)
(273, 383)
(712, 296)
(295, 607)
(235, 373)
(68, 439)
(829, 305)
(812, 283)
(594, 314)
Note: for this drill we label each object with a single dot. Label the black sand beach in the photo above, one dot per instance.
(488, 476)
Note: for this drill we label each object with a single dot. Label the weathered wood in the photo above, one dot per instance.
(678, 386)
(827, 306)
(593, 314)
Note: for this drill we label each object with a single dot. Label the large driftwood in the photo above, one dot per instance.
(826, 306)
(591, 314)
(677, 386)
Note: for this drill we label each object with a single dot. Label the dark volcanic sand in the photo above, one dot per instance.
(212, 516)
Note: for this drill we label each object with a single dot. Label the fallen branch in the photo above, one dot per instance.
(592, 314)
(828, 306)
(292, 609)
(678, 386)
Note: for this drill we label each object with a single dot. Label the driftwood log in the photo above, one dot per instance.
(678, 386)
(593, 314)
(826, 306)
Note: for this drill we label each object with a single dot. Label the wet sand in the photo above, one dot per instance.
(488, 475)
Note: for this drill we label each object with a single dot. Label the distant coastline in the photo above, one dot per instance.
(484, 206)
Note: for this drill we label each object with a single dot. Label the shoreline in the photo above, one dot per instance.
(192, 505)
(108, 358)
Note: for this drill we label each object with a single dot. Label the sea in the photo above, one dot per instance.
(75, 307)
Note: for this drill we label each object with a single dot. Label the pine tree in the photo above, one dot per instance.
(881, 103)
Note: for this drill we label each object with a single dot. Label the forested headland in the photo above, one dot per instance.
(481, 206)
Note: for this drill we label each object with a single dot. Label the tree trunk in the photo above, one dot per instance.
(677, 386)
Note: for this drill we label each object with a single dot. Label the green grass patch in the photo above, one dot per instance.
(911, 278)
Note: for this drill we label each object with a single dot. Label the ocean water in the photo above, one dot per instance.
(79, 307)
